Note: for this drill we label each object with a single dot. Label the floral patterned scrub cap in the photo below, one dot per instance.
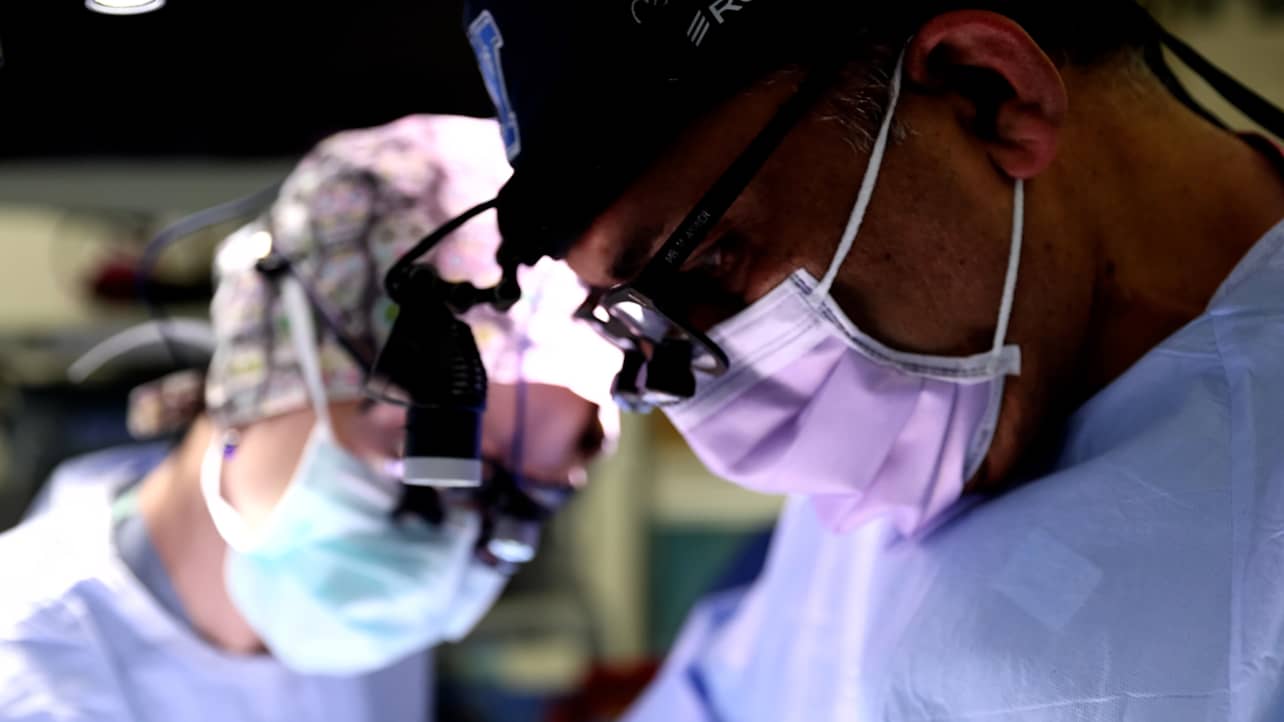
(350, 209)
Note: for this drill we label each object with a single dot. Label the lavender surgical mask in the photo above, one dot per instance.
(813, 406)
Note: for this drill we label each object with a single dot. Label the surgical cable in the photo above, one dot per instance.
(183, 228)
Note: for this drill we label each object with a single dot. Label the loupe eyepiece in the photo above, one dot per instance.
(513, 518)
(432, 360)
(668, 373)
(626, 389)
(443, 447)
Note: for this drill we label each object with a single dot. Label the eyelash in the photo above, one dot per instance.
(711, 260)
(714, 261)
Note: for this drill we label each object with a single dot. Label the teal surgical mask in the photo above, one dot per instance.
(331, 582)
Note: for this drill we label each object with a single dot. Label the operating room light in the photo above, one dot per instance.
(124, 7)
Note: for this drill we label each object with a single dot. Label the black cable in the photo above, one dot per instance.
(183, 228)
(1158, 64)
(396, 275)
(275, 265)
(1248, 101)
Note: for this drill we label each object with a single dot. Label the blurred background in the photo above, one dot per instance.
(113, 127)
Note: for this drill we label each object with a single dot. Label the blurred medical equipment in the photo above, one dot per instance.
(169, 334)
(59, 262)
(182, 229)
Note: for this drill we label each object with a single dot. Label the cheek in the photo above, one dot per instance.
(388, 431)
(376, 436)
(785, 236)
(498, 422)
(767, 277)
(386, 416)
(496, 441)
(554, 425)
(257, 475)
(552, 441)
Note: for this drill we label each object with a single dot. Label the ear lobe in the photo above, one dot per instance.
(1015, 93)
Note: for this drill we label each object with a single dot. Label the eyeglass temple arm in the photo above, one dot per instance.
(718, 199)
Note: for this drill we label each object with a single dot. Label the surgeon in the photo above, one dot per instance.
(272, 565)
(982, 290)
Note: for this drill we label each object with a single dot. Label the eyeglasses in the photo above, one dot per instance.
(639, 317)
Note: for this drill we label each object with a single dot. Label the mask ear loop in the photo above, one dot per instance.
(1014, 267)
(227, 521)
(866, 194)
(304, 336)
(1005, 361)
(303, 332)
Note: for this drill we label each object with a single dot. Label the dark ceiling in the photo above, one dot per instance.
(223, 77)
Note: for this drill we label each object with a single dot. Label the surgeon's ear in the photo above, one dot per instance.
(1010, 92)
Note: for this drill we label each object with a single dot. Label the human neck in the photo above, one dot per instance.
(190, 547)
(1185, 202)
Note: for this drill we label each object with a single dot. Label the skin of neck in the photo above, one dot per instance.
(1180, 204)
(253, 480)
(1130, 231)
(190, 548)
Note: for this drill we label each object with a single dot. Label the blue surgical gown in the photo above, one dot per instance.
(82, 639)
(1141, 581)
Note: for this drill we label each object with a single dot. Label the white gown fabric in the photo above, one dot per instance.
(1141, 581)
(82, 639)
